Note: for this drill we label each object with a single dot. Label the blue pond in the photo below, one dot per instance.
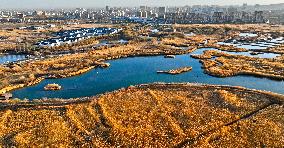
(11, 58)
(140, 70)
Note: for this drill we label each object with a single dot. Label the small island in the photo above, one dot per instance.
(170, 56)
(176, 71)
(52, 87)
(105, 65)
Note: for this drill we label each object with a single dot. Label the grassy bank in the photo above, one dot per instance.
(162, 115)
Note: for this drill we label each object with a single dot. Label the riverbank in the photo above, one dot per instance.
(163, 115)
(18, 86)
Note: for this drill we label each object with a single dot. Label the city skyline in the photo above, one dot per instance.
(29, 4)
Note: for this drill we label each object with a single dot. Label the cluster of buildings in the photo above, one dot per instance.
(73, 36)
(12, 16)
(186, 14)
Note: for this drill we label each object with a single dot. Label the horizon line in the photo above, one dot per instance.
(100, 7)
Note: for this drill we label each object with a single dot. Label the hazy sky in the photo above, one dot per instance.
(102, 3)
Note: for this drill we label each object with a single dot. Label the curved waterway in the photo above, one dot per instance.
(140, 70)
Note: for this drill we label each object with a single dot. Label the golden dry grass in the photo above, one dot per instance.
(157, 115)
(19, 39)
(229, 65)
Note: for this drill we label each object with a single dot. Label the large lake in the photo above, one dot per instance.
(142, 70)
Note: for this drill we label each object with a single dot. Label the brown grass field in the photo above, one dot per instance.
(155, 115)
(226, 65)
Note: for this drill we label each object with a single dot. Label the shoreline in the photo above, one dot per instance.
(59, 101)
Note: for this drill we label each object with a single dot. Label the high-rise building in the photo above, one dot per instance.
(107, 8)
(38, 13)
(144, 14)
(162, 10)
(218, 17)
(245, 17)
(139, 14)
(21, 15)
(143, 8)
(258, 17)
